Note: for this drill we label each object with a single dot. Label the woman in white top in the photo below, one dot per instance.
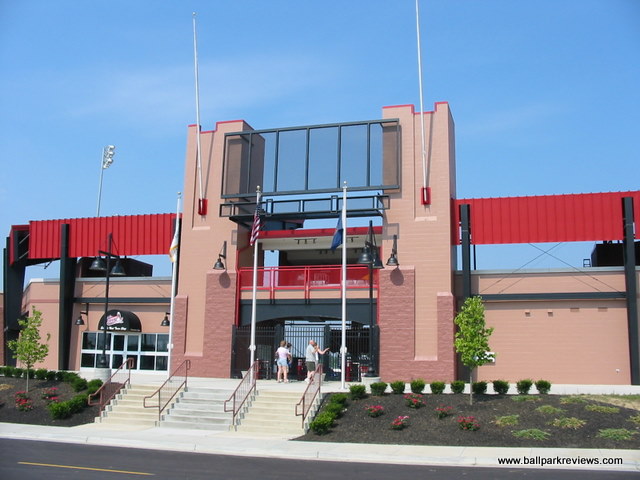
(283, 355)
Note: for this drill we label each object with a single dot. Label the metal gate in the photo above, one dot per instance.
(298, 335)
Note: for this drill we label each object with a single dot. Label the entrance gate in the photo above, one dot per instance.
(298, 335)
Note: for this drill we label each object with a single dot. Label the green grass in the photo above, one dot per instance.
(526, 398)
(549, 410)
(568, 422)
(571, 400)
(507, 420)
(635, 419)
(618, 434)
(532, 434)
(602, 409)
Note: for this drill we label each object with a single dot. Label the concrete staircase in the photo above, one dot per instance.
(126, 409)
(200, 408)
(273, 413)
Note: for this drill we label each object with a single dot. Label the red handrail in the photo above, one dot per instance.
(243, 390)
(310, 394)
(169, 388)
(111, 388)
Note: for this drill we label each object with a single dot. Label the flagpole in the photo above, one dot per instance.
(343, 344)
(422, 132)
(201, 207)
(174, 283)
(252, 346)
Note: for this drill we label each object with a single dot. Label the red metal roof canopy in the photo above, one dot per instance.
(546, 218)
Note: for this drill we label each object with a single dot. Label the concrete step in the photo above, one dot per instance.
(200, 408)
(195, 425)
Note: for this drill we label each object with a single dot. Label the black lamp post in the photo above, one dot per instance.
(371, 258)
(104, 265)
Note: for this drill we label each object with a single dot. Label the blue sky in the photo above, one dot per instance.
(544, 93)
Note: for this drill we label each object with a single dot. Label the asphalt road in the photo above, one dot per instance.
(36, 460)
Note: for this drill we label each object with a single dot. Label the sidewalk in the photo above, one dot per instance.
(233, 443)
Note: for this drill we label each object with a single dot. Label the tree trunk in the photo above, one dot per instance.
(471, 387)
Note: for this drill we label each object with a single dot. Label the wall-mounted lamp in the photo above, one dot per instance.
(393, 259)
(219, 265)
(80, 320)
(165, 321)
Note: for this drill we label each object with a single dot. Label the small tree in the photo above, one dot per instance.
(472, 337)
(28, 349)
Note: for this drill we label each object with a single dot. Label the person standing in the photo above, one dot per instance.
(311, 358)
(283, 362)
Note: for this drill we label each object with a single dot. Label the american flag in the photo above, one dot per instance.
(255, 229)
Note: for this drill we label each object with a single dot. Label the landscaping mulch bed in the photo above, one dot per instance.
(425, 428)
(40, 414)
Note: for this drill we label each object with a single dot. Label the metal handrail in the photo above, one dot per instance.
(310, 394)
(244, 389)
(169, 388)
(111, 388)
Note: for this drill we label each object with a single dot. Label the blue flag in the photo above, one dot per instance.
(337, 237)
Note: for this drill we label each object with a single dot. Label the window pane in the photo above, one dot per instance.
(163, 342)
(323, 158)
(161, 363)
(353, 155)
(89, 341)
(132, 342)
(88, 360)
(147, 362)
(118, 342)
(116, 361)
(100, 342)
(292, 160)
(135, 361)
(148, 342)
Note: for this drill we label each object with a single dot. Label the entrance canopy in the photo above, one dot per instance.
(120, 321)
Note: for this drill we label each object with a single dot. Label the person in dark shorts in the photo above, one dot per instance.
(311, 358)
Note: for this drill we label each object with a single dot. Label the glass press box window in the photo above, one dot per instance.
(149, 351)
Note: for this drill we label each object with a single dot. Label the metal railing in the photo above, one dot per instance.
(309, 396)
(169, 388)
(113, 385)
(306, 279)
(241, 393)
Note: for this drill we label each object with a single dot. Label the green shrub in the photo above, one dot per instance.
(8, 371)
(93, 385)
(524, 386)
(437, 387)
(543, 386)
(59, 411)
(635, 419)
(78, 384)
(479, 388)
(2, 370)
(398, 387)
(417, 385)
(51, 375)
(334, 409)
(339, 398)
(322, 423)
(501, 387)
(41, 373)
(457, 386)
(29, 373)
(17, 372)
(378, 388)
(77, 403)
(532, 434)
(60, 375)
(69, 377)
(358, 392)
